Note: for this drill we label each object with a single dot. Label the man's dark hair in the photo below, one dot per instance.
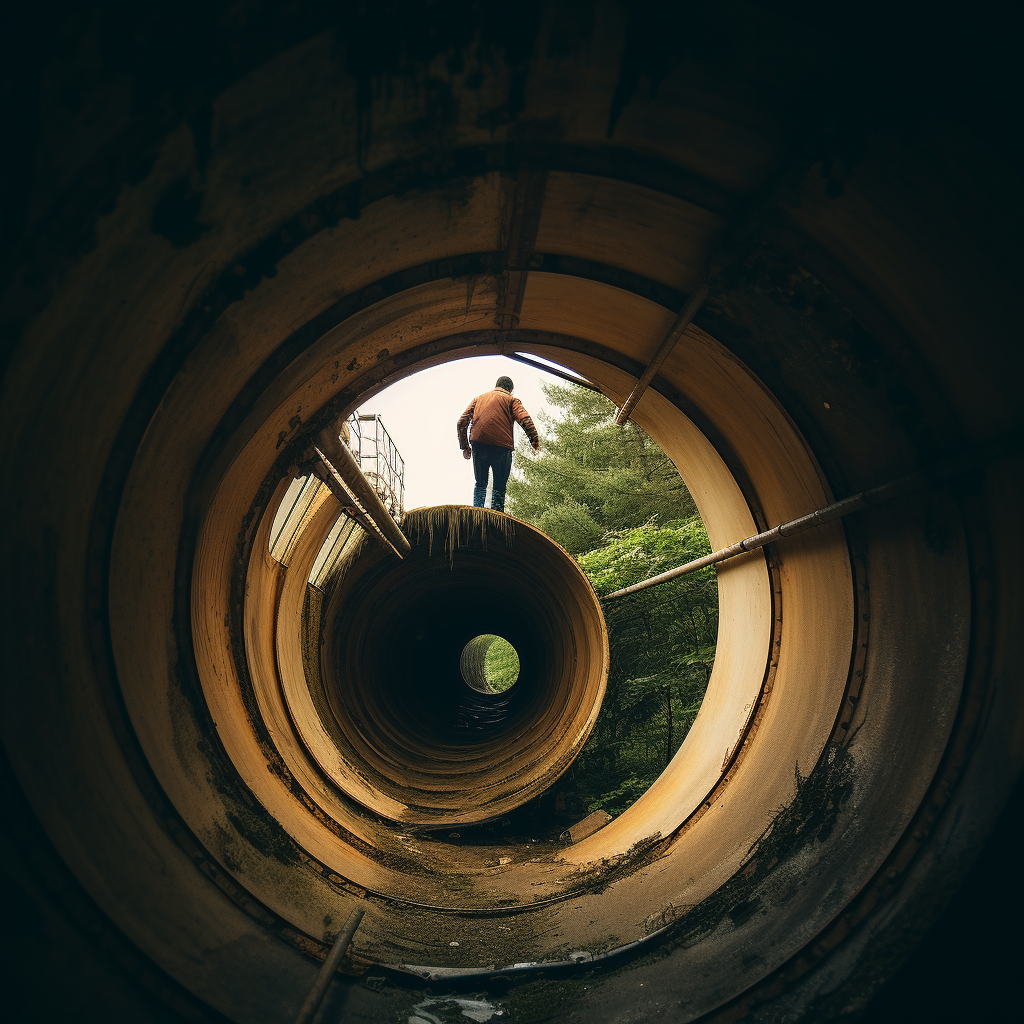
(504, 382)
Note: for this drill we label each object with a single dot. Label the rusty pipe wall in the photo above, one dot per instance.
(439, 751)
(196, 293)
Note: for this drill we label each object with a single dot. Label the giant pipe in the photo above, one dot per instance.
(387, 713)
(857, 740)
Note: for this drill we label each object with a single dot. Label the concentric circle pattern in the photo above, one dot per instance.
(220, 761)
(387, 696)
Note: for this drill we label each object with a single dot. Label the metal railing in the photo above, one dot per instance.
(383, 467)
(379, 459)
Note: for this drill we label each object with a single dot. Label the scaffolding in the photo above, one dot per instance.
(379, 459)
(384, 468)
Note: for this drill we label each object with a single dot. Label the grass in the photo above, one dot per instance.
(501, 665)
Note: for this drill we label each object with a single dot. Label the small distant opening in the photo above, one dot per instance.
(489, 664)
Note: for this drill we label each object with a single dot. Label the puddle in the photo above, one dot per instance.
(453, 1010)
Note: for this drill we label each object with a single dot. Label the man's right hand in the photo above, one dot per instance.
(467, 453)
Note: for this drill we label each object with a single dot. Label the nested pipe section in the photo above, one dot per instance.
(473, 662)
(394, 699)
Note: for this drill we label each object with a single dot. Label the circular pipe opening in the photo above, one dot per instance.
(166, 643)
(416, 743)
(489, 664)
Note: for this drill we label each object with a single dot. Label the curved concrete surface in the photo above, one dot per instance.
(393, 702)
(223, 795)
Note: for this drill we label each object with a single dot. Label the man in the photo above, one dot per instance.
(492, 415)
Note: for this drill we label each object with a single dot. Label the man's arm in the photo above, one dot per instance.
(523, 418)
(463, 426)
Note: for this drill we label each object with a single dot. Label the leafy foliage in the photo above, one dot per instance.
(612, 498)
(663, 646)
(501, 665)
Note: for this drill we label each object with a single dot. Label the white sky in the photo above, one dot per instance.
(420, 413)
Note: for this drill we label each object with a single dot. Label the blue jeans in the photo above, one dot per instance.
(499, 461)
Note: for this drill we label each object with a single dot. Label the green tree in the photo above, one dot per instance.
(613, 499)
(592, 476)
(662, 642)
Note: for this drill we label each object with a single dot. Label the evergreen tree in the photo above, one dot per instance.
(592, 476)
(613, 499)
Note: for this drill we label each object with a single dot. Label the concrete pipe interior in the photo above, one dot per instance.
(224, 800)
(805, 670)
(422, 745)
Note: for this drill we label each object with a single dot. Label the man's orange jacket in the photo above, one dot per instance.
(492, 415)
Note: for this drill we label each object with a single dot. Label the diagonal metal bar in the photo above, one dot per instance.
(343, 462)
(554, 371)
(819, 517)
(323, 470)
(1006, 445)
(686, 315)
(331, 965)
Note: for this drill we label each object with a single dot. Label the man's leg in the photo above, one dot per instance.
(501, 466)
(481, 464)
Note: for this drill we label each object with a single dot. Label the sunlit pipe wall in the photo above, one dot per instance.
(853, 748)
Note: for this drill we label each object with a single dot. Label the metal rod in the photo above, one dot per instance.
(327, 972)
(973, 459)
(686, 314)
(343, 462)
(788, 529)
(554, 371)
(324, 471)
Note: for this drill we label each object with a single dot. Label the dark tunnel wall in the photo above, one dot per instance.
(199, 203)
(393, 638)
